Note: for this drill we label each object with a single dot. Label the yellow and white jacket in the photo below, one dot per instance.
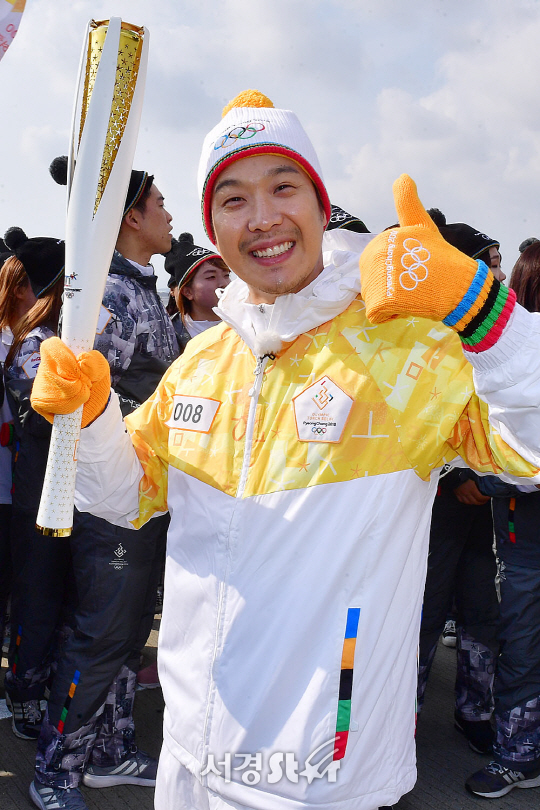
(300, 490)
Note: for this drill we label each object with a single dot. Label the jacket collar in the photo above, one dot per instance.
(326, 297)
(120, 266)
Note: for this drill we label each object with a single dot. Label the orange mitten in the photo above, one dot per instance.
(64, 382)
(412, 270)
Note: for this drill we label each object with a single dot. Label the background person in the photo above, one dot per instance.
(461, 562)
(196, 274)
(14, 303)
(470, 241)
(88, 732)
(517, 682)
(40, 564)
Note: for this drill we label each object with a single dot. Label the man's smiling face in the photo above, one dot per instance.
(269, 225)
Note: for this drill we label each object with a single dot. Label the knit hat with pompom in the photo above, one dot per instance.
(139, 182)
(251, 125)
(184, 258)
(42, 257)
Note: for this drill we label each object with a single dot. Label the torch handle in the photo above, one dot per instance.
(55, 516)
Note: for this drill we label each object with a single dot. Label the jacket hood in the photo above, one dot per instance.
(291, 315)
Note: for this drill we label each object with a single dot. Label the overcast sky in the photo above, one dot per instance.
(445, 90)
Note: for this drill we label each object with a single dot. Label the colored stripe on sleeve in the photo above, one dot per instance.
(16, 652)
(71, 692)
(345, 684)
(340, 744)
(511, 523)
(347, 656)
(343, 722)
(353, 617)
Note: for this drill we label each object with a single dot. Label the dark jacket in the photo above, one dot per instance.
(31, 431)
(451, 477)
(134, 333)
(182, 333)
(516, 516)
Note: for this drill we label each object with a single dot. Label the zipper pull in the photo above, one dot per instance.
(260, 362)
(257, 371)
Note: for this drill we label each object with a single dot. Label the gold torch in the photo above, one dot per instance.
(106, 117)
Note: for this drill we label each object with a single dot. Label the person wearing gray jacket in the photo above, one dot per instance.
(88, 730)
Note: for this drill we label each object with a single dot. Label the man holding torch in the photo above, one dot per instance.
(88, 726)
(297, 447)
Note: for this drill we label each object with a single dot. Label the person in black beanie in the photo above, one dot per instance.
(40, 564)
(461, 563)
(341, 219)
(196, 274)
(527, 243)
(88, 731)
(470, 241)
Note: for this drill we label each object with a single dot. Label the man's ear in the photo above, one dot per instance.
(133, 219)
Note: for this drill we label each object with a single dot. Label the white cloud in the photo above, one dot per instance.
(444, 90)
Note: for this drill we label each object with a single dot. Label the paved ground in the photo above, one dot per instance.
(444, 758)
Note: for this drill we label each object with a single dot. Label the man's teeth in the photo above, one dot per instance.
(273, 251)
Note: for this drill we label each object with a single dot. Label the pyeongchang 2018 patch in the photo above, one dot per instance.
(321, 412)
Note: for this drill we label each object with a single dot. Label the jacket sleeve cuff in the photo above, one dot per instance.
(518, 345)
(99, 436)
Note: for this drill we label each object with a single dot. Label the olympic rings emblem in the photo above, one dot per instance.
(413, 260)
(339, 216)
(318, 430)
(239, 134)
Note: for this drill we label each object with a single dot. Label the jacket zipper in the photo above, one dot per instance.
(250, 427)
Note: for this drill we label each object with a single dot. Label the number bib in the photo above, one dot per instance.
(193, 413)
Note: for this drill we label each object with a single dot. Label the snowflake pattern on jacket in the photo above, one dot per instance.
(26, 361)
(134, 333)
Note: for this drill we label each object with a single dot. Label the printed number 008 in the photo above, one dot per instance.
(187, 413)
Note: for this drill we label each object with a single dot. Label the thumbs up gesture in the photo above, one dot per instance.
(412, 270)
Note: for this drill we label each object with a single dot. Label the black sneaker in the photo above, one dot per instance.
(137, 769)
(449, 634)
(495, 780)
(26, 718)
(479, 733)
(158, 610)
(54, 798)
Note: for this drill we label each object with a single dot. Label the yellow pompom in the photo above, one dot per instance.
(248, 98)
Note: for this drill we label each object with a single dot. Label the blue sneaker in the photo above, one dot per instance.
(137, 769)
(496, 780)
(55, 798)
(26, 718)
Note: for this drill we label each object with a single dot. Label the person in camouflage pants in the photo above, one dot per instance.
(88, 730)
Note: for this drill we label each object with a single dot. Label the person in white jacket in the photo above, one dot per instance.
(297, 447)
